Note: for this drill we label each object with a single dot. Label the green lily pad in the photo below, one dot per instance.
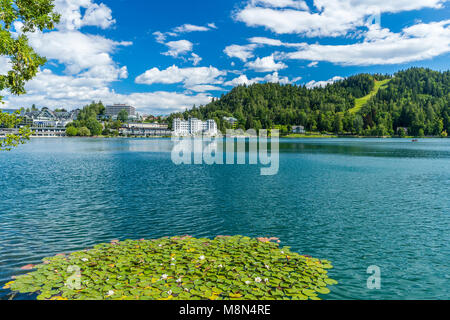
(180, 268)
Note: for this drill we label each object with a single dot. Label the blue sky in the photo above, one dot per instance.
(165, 56)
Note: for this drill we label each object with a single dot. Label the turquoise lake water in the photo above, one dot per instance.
(356, 202)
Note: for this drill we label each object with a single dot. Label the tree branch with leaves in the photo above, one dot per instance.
(28, 16)
(12, 140)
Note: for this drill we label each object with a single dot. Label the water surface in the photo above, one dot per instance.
(356, 202)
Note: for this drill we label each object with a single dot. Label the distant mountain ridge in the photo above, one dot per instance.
(414, 102)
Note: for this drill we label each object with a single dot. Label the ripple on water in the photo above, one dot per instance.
(355, 202)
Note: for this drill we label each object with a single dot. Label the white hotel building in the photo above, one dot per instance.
(194, 126)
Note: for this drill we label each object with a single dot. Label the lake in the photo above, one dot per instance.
(356, 202)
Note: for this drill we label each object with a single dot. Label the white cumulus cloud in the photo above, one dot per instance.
(316, 84)
(266, 64)
(272, 78)
(5, 65)
(72, 18)
(188, 76)
(177, 48)
(54, 91)
(195, 59)
(297, 4)
(243, 53)
(185, 28)
(75, 50)
(263, 41)
(419, 42)
(327, 17)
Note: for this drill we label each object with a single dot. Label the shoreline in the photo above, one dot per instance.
(242, 137)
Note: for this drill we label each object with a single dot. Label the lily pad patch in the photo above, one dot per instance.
(179, 268)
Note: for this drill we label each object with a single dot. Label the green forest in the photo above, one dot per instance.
(414, 102)
(87, 123)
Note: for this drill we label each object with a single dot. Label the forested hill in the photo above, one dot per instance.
(417, 99)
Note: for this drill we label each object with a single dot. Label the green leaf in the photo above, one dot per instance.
(142, 270)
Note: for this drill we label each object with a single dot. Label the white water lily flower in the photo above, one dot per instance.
(266, 280)
(267, 266)
(85, 259)
(164, 276)
(247, 282)
(220, 266)
(282, 252)
(202, 258)
(173, 259)
(110, 292)
(179, 280)
(186, 289)
(169, 292)
(258, 279)
(172, 264)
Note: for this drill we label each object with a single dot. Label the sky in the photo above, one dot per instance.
(166, 56)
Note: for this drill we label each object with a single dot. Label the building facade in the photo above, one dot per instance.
(134, 132)
(298, 129)
(210, 126)
(37, 132)
(47, 123)
(113, 111)
(145, 130)
(194, 126)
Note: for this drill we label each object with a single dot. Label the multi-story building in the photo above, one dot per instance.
(47, 118)
(44, 123)
(37, 132)
(210, 126)
(194, 126)
(113, 111)
(156, 126)
(180, 127)
(145, 129)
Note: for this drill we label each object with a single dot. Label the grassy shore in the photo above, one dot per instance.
(309, 136)
(318, 135)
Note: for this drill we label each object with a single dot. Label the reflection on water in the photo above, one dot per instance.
(357, 202)
(373, 148)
